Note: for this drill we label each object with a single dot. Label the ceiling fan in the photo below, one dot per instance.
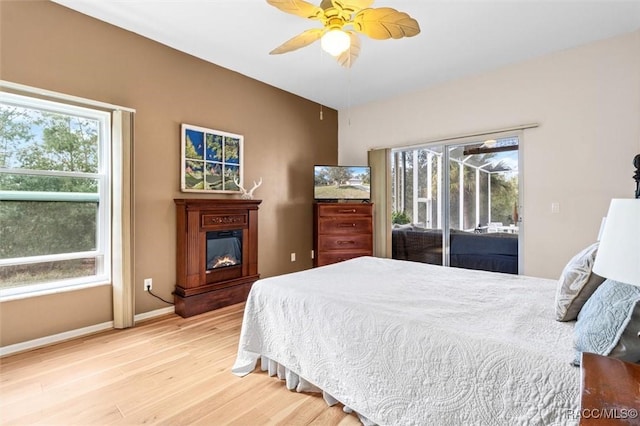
(341, 20)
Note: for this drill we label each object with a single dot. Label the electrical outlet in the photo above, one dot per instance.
(148, 284)
(313, 254)
(293, 257)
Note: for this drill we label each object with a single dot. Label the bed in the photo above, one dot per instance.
(406, 343)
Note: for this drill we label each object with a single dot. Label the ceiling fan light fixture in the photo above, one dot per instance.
(335, 41)
(378, 23)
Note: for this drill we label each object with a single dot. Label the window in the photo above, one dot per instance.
(450, 193)
(54, 195)
(483, 179)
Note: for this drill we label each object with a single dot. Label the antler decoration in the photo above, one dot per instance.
(247, 195)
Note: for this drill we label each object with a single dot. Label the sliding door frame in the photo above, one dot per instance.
(445, 210)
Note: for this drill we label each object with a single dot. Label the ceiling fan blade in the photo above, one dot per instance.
(298, 8)
(301, 40)
(385, 22)
(349, 56)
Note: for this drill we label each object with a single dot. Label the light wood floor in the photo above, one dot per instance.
(169, 370)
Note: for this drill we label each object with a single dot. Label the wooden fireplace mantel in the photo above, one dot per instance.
(198, 290)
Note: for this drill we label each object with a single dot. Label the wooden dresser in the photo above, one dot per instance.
(341, 231)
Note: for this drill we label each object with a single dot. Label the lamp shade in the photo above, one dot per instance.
(618, 255)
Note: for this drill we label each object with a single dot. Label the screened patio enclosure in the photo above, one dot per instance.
(444, 194)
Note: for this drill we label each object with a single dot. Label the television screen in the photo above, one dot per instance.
(342, 183)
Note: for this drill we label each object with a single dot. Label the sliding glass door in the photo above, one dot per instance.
(458, 203)
(417, 204)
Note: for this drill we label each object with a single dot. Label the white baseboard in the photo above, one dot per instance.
(54, 338)
(152, 314)
(73, 334)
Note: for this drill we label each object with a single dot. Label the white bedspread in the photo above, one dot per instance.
(406, 343)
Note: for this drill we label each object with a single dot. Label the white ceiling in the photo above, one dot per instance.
(458, 38)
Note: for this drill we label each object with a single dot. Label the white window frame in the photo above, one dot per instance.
(102, 253)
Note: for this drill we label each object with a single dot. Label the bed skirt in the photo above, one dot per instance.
(292, 381)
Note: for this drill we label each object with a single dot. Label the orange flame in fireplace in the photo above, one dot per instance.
(224, 261)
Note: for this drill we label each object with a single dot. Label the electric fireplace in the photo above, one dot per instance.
(217, 253)
(224, 249)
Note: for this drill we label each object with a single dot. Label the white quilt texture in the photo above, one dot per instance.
(406, 343)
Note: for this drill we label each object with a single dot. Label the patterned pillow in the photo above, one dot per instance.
(576, 284)
(609, 323)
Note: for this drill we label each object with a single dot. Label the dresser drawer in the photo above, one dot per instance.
(334, 210)
(335, 257)
(345, 242)
(347, 225)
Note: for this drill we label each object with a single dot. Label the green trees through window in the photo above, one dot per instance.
(483, 184)
(52, 184)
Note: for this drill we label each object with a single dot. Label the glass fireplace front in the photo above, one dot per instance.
(224, 249)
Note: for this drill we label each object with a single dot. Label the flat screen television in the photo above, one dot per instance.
(342, 183)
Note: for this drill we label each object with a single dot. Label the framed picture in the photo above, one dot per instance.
(211, 160)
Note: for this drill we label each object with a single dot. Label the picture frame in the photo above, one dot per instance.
(211, 160)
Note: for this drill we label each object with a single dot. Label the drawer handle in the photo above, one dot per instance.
(346, 242)
(347, 211)
(346, 225)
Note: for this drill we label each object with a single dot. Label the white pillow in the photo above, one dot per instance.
(576, 284)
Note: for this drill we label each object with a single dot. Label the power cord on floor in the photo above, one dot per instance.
(158, 297)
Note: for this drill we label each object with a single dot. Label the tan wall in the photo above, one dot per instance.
(587, 101)
(48, 46)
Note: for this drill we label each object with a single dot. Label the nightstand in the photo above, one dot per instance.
(610, 391)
